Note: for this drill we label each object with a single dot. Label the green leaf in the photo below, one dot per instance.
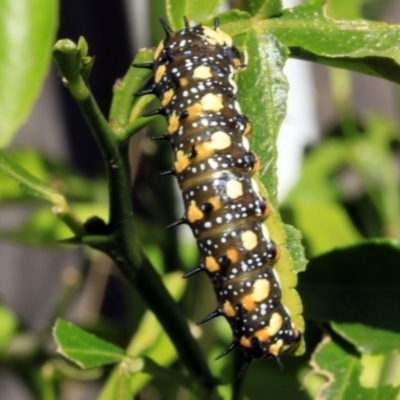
(343, 370)
(235, 23)
(381, 369)
(194, 11)
(355, 284)
(370, 155)
(380, 353)
(265, 8)
(35, 187)
(319, 166)
(124, 108)
(315, 198)
(151, 340)
(121, 385)
(344, 9)
(42, 228)
(31, 160)
(27, 31)
(337, 229)
(47, 170)
(365, 46)
(368, 339)
(83, 348)
(359, 45)
(263, 80)
(29, 183)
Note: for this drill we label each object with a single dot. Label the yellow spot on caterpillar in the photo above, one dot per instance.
(160, 73)
(182, 161)
(257, 165)
(211, 264)
(245, 342)
(228, 309)
(275, 324)
(248, 302)
(159, 49)
(202, 72)
(249, 240)
(275, 348)
(173, 123)
(194, 213)
(262, 335)
(248, 129)
(278, 253)
(265, 334)
(267, 210)
(194, 110)
(204, 150)
(261, 289)
(218, 35)
(220, 140)
(233, 255)
(237, 63)
(216, 202)
(211, 102)
(183, 82)
(167, 97)
(234, 189)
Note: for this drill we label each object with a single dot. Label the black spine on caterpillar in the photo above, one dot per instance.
(194, 80)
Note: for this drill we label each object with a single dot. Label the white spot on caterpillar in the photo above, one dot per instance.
(213, 164)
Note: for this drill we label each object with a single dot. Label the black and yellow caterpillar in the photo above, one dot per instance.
(194, 80)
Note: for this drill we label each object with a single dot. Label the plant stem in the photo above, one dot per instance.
(123, 245)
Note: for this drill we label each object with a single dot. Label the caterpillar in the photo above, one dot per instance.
(194, 80)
